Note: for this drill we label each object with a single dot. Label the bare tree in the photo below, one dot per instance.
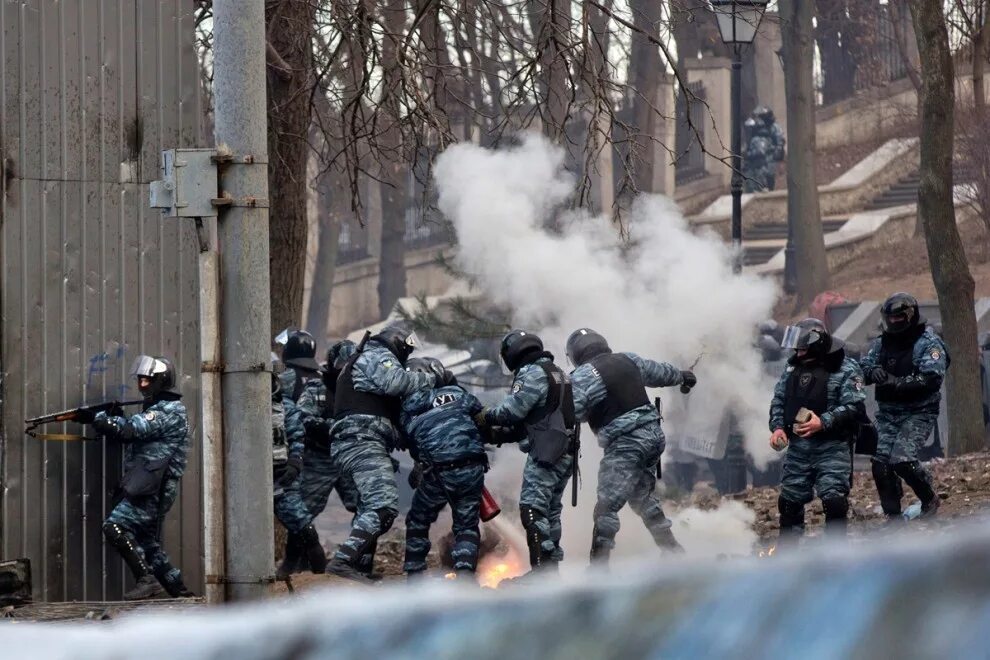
(803, 209)
(950, 269)
(290, 60)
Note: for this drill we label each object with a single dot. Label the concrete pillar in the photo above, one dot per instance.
(714, 73)
(666, 128)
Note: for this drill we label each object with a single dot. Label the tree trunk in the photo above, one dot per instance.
(979, 64)
(645, 67)
(289, 27)
(550, 21)
(803, 211)
(394, 188)
(332, 206)
(950, 270)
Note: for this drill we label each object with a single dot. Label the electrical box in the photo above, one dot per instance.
(188, 185)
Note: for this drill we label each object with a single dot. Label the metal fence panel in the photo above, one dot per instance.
(90, 276)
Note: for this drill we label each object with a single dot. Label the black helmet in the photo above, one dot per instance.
(810, 335)
(276, 388)
(427, 365)
(584, 344)
(162, 374)
(899, 313)
(300, 352)
(764, 114)
(400, 340)
(517, 345)
(300, 344)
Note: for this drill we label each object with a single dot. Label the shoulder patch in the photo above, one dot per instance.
(150, 415)
(858, 383)
(516, 387)
(789, 368)
(388, 363)
(935, 354)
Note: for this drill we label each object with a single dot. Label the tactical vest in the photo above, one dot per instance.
(807, 387)
(898, 361)
(624, 389)
(349, 401)
(551, 427)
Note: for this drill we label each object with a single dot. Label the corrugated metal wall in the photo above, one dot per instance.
(92, 90)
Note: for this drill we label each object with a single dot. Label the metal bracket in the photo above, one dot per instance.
(245, 159)
(228, 579)
(247, 202)
(211, 368)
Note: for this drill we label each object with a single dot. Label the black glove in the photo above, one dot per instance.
(85, 416)
(317, 428)
(115, 411)
(689, 380)
(395, 465)
(876, 376)
(292, 470)
(416, 475)
(104, 426)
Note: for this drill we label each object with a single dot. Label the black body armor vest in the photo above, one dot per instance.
(551, 427)
(348, 401)
(897, 359)
(807, 387)
(624, 386)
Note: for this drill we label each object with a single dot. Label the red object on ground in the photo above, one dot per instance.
(819, 306)
(489, 507)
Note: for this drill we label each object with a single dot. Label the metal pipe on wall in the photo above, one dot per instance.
(241, 126)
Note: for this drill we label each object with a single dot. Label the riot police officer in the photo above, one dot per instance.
(816, 411)
(610, 394)
(541, 400)
(907, 364)
(156, 444)
(442, 437)
(299, 357)
(366, 407)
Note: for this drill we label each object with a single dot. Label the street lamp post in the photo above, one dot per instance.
(738, 21)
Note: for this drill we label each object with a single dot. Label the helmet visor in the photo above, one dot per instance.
(146, 367)
(792, 336)
(282, 338)
(412, 340)
(506, 371)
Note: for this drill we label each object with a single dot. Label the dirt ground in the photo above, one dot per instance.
(962, 483)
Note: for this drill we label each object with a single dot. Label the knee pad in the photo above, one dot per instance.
(528, 515)
(791, 513)
(836, 507)
(915, 476)
(386, 517)
(113, 533)
(307, 535)
(414, 533)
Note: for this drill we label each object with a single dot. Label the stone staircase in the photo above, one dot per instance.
(905, 191)
(763, 240)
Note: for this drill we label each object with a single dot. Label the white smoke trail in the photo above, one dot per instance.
(668, 293)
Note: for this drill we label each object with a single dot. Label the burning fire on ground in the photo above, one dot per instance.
(768, 552)
(506, 560)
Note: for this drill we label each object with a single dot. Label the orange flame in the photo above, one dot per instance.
(495, 569)
(450, 576)
(768, 552)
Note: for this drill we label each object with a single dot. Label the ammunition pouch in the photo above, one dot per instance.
(145, 478)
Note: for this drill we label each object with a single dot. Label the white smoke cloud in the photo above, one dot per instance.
(667, 293)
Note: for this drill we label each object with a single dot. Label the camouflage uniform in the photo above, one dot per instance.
(633, 443)
(160, 432)
(543, 485)
(904, 426)
(820, 463)
(289, 507)
(442, 437)
(758, 164)
(361, 445)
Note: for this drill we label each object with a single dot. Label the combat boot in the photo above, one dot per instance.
(310, 541)
(171, 579)
(147, 587)
(342, 569)
(666, 541)
(290, 563)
